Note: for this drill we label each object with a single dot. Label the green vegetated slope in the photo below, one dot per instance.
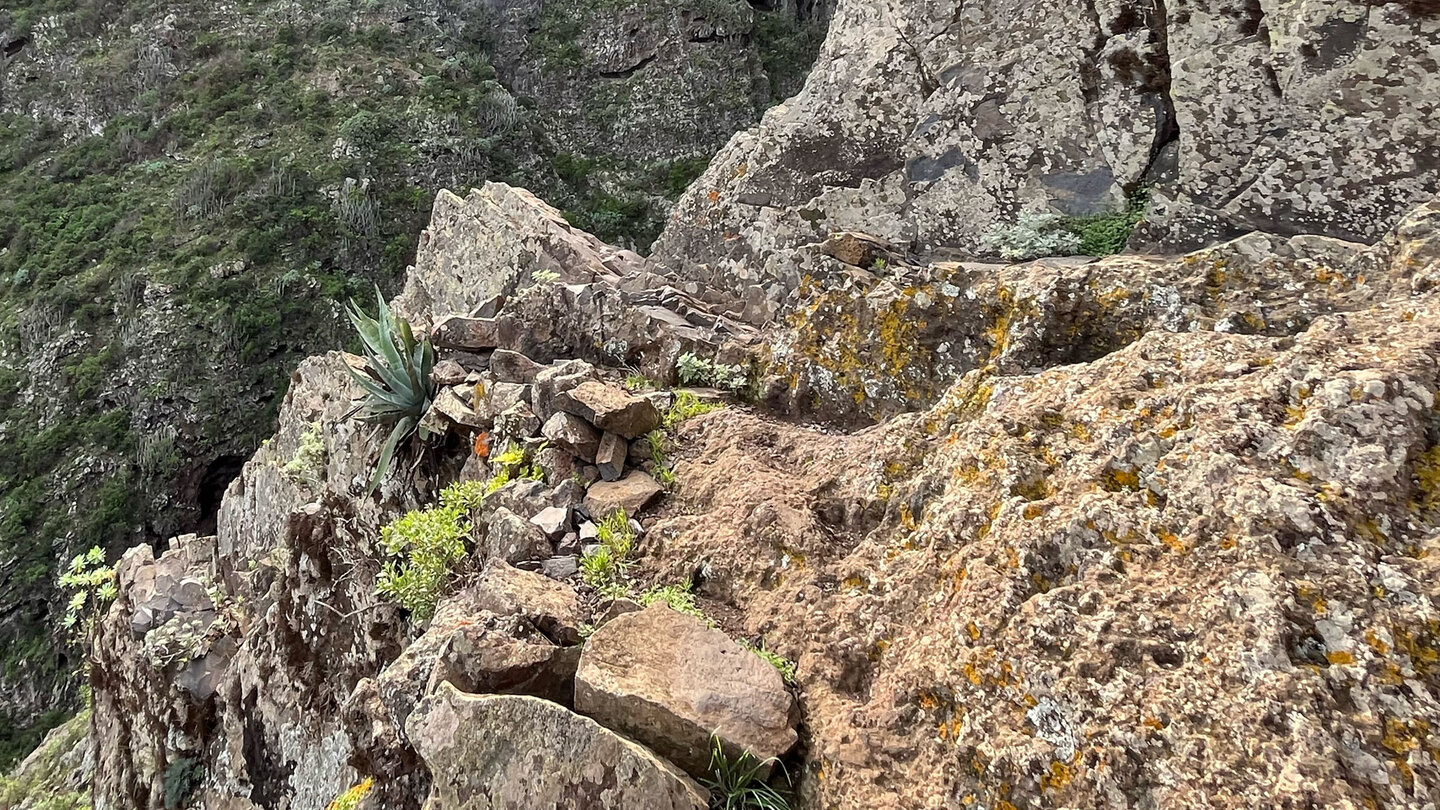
(189, 191)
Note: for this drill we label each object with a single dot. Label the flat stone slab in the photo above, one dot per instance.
(632, 493)
(610, 408)
(507, 752)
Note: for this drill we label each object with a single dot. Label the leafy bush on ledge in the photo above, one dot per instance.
(426, 545)
(1034, 234)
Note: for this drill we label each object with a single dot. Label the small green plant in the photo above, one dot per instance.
(598, 567)
(426, 545)
(309, 457)
(691, 369)
(783, 665)
(397, 384)
(602, 566)
(615, 531)
(687, 406)
(350, 799)
(92, 586)
(739, 783)
(1107, 234)
(677, 597)
(639, 382)
(511, 465)
(1034, 234)
(464, 496)
(544, 276)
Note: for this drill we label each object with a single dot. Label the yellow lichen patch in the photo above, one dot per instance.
(351, 798)
(1427, 478)
(1058, 777)
(1033, 489)
(1032, 511)
(1115, 479)
(1376, 643)
(973, 630)
(1340, 657)
(950, 728)
(1172, 541)
(1228, 543)
(1420, 646)
(1152, 722)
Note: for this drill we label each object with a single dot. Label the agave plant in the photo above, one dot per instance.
(398, 388)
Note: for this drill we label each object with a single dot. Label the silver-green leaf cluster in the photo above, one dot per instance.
(396, 380)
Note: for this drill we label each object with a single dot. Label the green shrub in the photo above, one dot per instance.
(181, 779)
(465, 496)
(692, 369)
(92, 586)
(1107, 234)
(677, 597)
(309, 458)
(783, 665)
(686, 406)
(656, 439)
(426, 545)
(397, 383)
(350, 799)
(602, 567)
(1033, 235)
(512, 465)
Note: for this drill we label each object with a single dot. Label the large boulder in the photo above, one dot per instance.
(1200, 569)
(928, 124)
(523, 752)
(674, 696)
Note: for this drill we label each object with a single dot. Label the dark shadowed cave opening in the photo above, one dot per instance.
(210, 490)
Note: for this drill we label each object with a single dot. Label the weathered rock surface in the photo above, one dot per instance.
(632, 493)
(861, 346)
(553, 608)
(512, 538)
(610, 408)
(505, 751)
(1048, 587)
(252, 698)
(926, 124)
(470, 334)
(673, 696)
(572, 434)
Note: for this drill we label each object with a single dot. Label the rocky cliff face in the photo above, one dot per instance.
(1147, 530)
(190, 191)
(1046, 589)
(929, 123)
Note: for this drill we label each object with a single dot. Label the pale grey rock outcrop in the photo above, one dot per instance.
(928, 124)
